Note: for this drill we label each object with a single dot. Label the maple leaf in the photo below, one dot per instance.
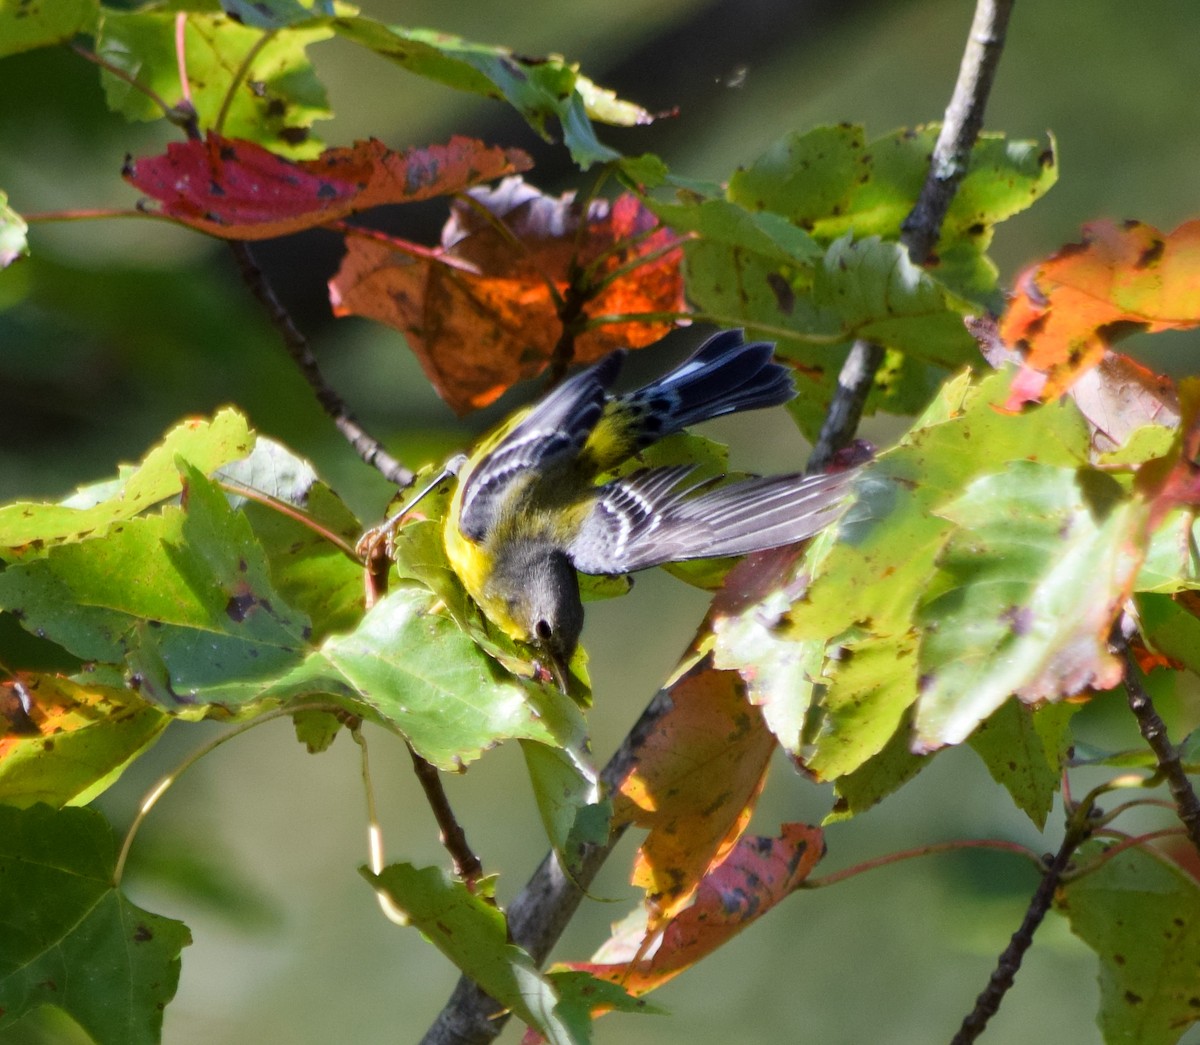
(1069, 309)
(516, 269)
(239, 190)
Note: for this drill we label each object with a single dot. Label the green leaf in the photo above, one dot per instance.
(568, 800)
(1140, 913)
(184, 599)
(472, 933)
(1170, 629)
(831, 181)
(874, 686)
(540, 89)
(879, 776)
(64, 742)
(13, 243)
(27, 24)
(1018, 604)
(1025, 750)
(27, 528)
(273, 14)
(274, 102)
(580, 995)
(416, 671)
(316, 730)
(69, 939)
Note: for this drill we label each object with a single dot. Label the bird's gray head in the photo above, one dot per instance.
(539, 590)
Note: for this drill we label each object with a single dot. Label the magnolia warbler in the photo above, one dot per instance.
(530, 508)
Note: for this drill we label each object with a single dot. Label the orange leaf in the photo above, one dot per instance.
(488, 310)
(1067, 310)
(238, 190)
(694, 787)
(757, 874)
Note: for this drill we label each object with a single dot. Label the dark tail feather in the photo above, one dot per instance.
(724, 376)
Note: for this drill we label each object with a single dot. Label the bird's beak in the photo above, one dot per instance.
(560, 672)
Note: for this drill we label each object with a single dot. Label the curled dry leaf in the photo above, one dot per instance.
(514, 271)
(239, 190)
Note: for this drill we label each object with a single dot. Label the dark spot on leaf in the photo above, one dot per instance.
(1119, 959)
(227, 153)
(1019, 619)
(785, 297)
(275, 108)
(1111, 332)
(48, 985)
(294, 135)
(325, 191)
(142, 934)
(242, 566)
(924, 682)
(47, 745)
(1151, 254)
(976, 229)
(1071, 249)
(238, 606)
(215, 189)
(1133, 999)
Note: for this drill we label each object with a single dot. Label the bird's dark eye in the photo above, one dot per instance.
(543, 630)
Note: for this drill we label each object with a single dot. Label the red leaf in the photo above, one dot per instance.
(238, 190)
(757, 874)
(1067, 310)
(487, 310)
(694, 787)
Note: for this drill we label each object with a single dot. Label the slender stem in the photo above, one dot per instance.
(292, 512)
(150, 799)
(185, 86)
(926, 850)
(920, 231)
(1154, 731)
(1127, 842)
(367, 447)
(121, 74)
(454, 838)
(1079, 829)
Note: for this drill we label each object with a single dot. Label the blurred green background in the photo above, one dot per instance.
(114, 330)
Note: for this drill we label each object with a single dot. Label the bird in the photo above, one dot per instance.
(537, 502)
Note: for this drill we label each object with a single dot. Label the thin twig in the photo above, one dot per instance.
(1154, 731)
(1079, 829)
(920, 231)
(367, 447)
(454, 838)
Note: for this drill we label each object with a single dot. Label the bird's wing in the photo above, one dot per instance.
(646, 519)
(552, 432)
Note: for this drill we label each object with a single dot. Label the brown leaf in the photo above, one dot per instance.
(488, 308)
(694, 787)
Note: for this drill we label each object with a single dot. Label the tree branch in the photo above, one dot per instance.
(920, 231)
(544, 907)
(454, 838)
(1154, 731)
(1079, 829)
(365, 445)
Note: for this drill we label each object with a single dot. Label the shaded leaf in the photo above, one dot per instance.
(69, 939)
(694, 787)
(27, 24)
(417, 672)
(879, 776)
(472, 933)
(757, 873)
(1069, 309)
(487, 311)
(28, 528)
(540, 89)
(239, 190)
(1141, 915)
(568, 799)
(61, 742)
(1025, 750)
(277, 96)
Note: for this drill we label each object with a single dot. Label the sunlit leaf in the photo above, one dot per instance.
(13, 242)
(488, 311)
(1121, 279)
(61, 742)
(70, 940)
(27, 24)
(757, 873)
(694, 787)
(277, 96)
